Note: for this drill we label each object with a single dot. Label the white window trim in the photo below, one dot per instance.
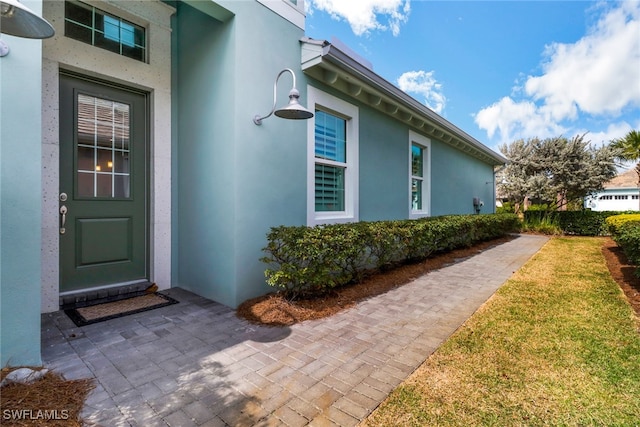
(416, 138)
(316, 99)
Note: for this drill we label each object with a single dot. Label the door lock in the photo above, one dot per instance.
(63, 212)
(63, 197)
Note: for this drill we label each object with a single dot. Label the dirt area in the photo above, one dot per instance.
(622, 272)
(275, 310)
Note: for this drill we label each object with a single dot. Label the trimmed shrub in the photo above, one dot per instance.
(614, 222)
(629, 240)
(307, 261)
(625, 230)
(582, 223)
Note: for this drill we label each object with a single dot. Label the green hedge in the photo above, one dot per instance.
(582, 223)
(625, 230)
(307, 261)
(616, 222)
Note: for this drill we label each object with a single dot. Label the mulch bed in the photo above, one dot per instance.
(622, 272)
(275, 310)
(50, 401)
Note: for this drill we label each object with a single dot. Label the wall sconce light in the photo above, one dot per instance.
(293, 110)
(477, 204)
(20, 21)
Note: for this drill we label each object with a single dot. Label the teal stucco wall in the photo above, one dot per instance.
(456, 179)
(234, 180)
(20, 199)
(383, 167)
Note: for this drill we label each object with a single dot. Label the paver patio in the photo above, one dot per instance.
(196, 364)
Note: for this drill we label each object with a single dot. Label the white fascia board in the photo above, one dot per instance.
(620, 188)
(311, 53)
(293, 13)
(331, 54)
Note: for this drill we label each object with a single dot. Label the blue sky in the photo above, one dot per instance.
(501, 70)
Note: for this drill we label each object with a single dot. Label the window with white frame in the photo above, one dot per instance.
(332, 141)
(419, 179)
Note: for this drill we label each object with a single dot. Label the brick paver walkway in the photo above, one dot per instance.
(197, 364)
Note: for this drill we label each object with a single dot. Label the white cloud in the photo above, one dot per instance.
(514, 120)
(424, 84)
(363, 15)
(613, 131)
(599, 75)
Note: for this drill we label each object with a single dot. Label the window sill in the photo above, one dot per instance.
(333, 218)
(418, 214)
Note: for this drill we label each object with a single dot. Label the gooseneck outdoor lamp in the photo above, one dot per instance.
(293, 110)
(18, 20)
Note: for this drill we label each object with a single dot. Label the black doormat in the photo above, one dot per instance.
(111, 310)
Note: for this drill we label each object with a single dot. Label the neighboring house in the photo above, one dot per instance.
(137, 117)
(619, 194)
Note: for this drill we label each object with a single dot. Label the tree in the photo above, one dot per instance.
(557, 171)
(628, 149)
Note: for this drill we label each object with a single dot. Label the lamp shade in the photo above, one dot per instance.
(293, 110)
(20, 21)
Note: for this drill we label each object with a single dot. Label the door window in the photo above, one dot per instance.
(103, 148)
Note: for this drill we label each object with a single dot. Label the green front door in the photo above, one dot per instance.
(103, 185)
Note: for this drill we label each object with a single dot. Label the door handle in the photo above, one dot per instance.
(63, 212)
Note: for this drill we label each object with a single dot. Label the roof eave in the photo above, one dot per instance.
(328, 64)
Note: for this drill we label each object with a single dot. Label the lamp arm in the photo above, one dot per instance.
(257, 119)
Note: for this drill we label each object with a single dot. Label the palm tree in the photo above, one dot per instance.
(628, 149)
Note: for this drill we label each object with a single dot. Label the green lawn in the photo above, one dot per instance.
(557, 345)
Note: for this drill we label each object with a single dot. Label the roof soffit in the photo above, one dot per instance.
(327, 64)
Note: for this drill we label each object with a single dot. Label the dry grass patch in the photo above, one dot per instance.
(558, 344)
